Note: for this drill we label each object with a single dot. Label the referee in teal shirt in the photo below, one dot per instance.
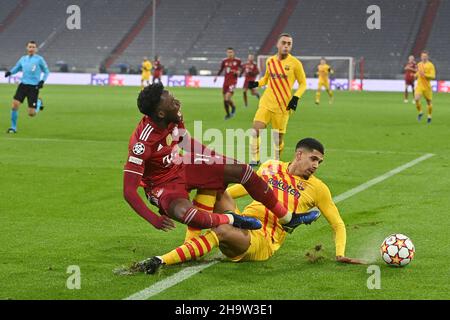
(35, 73)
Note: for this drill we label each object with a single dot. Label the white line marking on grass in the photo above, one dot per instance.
(168, 282)
(188, 272)
(370, 183)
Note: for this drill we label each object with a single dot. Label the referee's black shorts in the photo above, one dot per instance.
(31, 92)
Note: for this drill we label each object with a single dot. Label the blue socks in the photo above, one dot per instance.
(38, 105)
(14, 116)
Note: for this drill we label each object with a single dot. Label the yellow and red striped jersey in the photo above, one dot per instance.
(323, 70)
(298, 195)
(429, 74)
(146, 68)
(280, 77)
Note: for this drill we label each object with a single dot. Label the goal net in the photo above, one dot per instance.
(344, 68)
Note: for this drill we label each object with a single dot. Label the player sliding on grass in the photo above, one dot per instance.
(154, 161)
(295, 185)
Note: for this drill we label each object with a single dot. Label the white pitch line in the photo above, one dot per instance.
(188, 272)
(168, 282)
(370, 183)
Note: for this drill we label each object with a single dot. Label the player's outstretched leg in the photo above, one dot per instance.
(257, 188)
(192, 249)
(231, 241)
(183, 211)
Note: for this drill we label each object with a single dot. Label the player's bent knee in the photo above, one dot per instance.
(222, 232)
(178, 209)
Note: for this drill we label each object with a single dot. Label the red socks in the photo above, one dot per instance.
(200, 219)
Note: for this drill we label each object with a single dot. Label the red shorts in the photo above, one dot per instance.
(246, 82)
(228, 88)
(409, 81)
(198, 175)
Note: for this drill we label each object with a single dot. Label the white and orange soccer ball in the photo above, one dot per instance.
(397, 250)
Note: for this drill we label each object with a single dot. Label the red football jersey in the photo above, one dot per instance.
(250, 71)
(231, 67)
(153, 152)
(157, 68)
(408, 73)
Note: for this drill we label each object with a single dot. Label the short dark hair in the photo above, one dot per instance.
(230, 48)
(32, 42)
(310, 144)
(149, 98)
(424, 51)
(284, 34)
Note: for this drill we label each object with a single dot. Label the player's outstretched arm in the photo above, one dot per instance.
(130, 185)
(15, 69)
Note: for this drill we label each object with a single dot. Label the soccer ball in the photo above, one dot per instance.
(397, 250)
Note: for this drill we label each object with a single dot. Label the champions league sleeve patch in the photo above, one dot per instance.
(138, 148)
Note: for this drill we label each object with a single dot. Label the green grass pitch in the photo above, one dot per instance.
(61, 199)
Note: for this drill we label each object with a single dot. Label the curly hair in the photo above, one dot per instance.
(149, 98)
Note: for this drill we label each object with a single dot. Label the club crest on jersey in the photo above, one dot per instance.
(169, 139)
(138, 148)
(301, 186)
(287, 68)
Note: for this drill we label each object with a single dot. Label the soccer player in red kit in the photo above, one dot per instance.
(157, 70)
(250, 71)
(155, 162)
(410, 72)
(231, 65)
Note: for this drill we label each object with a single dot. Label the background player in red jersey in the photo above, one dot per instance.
(410, 71)
(231, 65)
(154, 161)
(158, 69)
(250, 71)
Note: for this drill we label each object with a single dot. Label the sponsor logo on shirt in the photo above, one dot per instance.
(284, 186)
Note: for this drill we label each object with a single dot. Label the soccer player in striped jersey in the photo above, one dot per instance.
(295, 185)
(155, 162)
(277, 102)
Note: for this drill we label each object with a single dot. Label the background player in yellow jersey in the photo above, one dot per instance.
(323, 72)
(425, 73)
(146, 72)
(277, 101)
(295, 186)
